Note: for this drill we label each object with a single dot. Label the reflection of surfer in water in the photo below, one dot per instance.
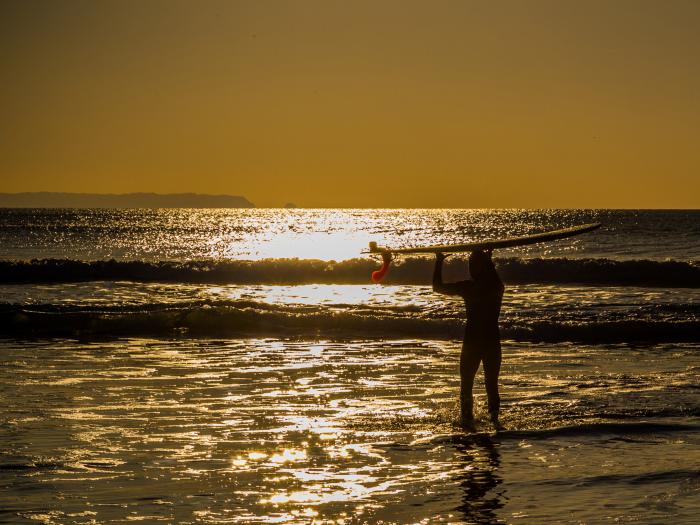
(482, 296)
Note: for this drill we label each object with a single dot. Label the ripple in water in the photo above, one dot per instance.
(270, 431)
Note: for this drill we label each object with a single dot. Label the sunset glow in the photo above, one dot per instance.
(361, 104)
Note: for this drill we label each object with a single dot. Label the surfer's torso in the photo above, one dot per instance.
(482, 300)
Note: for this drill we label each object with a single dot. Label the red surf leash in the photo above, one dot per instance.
(378, 275)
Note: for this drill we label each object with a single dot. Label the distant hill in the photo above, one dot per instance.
(45, 199)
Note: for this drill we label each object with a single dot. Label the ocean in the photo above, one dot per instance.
(238, 366)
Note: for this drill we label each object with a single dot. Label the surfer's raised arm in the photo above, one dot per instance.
(445, 288)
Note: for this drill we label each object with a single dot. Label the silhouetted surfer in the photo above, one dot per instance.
(482, 296)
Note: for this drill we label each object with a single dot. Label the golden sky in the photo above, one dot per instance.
(356, 103)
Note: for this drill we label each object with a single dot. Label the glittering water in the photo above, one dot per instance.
(531, 312)
(219, 388)
(183, 234)
(264, 431)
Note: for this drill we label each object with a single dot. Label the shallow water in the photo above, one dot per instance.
(273, 430)
(190, 381)
(530, 312)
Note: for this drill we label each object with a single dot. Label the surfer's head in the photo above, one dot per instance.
(481, 265)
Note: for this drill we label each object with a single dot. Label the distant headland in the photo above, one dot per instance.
(44, 199)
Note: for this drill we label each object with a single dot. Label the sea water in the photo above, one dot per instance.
(236, 366)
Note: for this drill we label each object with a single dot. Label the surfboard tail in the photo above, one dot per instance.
(378, 275)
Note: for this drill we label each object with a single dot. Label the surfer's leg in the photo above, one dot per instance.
(492, 368)
(468, 366)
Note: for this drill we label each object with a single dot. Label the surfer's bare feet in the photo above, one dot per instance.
(467, 423)
(495, 422)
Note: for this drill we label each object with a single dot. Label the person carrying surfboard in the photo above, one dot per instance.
(482, 295)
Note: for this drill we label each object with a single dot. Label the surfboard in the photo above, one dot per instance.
(495, 244)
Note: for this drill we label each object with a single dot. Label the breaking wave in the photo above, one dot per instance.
(354, 271)
(246, 318)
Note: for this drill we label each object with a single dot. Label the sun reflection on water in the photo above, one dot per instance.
(288, 455)
(352, 428)
(310, 294)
